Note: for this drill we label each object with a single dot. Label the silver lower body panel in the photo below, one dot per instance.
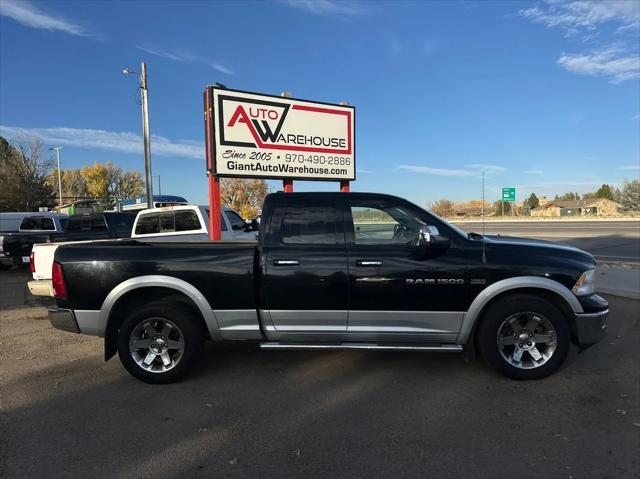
(371, 346)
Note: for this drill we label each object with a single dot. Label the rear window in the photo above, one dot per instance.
(187, 221)
(97, 223)
(148, 224)
(37, 223)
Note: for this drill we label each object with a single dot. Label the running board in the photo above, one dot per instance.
(455, 348)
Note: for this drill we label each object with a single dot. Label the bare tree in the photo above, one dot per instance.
(444, 208)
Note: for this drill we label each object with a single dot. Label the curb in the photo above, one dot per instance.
(620, 294)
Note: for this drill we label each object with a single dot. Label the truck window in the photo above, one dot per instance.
(237, 223)
(310, 225)
(74, 224)
(148, 224)
(63, 223)
(223, 225)
(97, 223)
(187, 221)
(35, 223)
(383, 223)
(167, 222)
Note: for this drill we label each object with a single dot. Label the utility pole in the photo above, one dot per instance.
(145, 133)
(159, 185)
(145, 128)
(58, 148)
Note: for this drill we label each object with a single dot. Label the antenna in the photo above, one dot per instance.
(484, 256)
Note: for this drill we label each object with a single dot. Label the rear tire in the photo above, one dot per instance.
(524, 337)
(160, 342)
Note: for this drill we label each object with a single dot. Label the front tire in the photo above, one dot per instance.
(160, 342)
(524, 337)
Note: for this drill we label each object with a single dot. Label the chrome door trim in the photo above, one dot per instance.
(307, 320)
(420, 322)
(369, 346)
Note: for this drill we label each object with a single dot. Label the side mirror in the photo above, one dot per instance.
(255, 226)
(430, 237)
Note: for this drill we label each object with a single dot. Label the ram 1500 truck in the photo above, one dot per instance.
(333, 271)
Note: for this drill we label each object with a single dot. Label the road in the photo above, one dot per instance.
(606, 240)
(251, 413)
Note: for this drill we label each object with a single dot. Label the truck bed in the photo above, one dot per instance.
(220, 270)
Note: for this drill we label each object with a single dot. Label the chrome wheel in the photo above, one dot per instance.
(526, 340)
(156, 345)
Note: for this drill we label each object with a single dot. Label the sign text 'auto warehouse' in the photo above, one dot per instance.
(272, 137)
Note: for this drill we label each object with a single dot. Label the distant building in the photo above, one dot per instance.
(542, 200)
(587, 207)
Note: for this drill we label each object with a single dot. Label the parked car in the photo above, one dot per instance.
(189, 223)
(178, 223)
(333, 271)
(18, 231)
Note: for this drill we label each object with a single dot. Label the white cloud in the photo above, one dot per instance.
(611, 63)
(487, 167)
(585, 15)
(186, 57)
(613, 57)
(363, 171)
(124, 142)
(629, 168)
(31, 16)
(328, 8)
(427, 170)
(534, 172)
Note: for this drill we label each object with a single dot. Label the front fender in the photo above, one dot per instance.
(513, 284)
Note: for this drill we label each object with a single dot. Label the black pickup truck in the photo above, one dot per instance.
(80, 227)
(333, 271)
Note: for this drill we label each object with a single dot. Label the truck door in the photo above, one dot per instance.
(304, 263)
(398, 290)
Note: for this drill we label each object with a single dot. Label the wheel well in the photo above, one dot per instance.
(554, 298)
(138, 296)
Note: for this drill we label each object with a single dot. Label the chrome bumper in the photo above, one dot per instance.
(63, 319)
(591, 327)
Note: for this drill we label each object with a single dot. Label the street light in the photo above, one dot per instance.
(145, 128)
(58, 148)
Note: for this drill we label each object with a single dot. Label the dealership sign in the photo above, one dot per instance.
(265, 136)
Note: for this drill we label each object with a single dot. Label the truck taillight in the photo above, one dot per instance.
(32, 262)
(57, 281)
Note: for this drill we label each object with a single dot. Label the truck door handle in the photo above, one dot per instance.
(286, 262)
(368, 262)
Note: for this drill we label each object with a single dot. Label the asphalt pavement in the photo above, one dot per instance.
(607, 240)
(64, 412)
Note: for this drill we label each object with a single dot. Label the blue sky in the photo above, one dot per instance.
(544, 96)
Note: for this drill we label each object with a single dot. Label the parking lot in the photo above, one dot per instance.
(252, 413)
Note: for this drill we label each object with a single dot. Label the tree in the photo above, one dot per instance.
(497, 207)
(533, 201)
(9, 184)
(567, 197)
(444, 208)
(630, 196)
(109, 181)
(243, 195)
(24, 173)
(605, 192)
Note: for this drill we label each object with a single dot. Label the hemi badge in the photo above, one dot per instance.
(478, 281)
